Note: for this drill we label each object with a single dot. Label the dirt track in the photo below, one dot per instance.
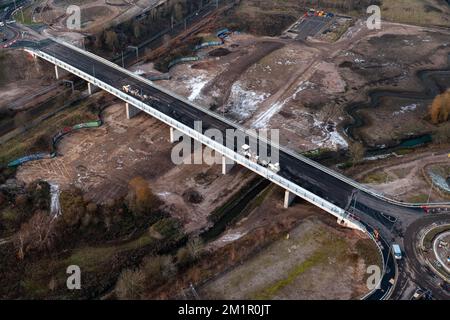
(221, 85)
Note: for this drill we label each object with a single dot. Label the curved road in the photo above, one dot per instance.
(413, 267)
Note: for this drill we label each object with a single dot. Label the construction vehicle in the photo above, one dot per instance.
(376, 234)
(274, 167)
(126, 88)
(246, 152)
(135, 92)
(311, 12)
(421, 294)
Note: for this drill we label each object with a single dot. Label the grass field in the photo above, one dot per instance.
(24, 16)
(420, 12)
(314, 262)
(377, 178)
(29, 141)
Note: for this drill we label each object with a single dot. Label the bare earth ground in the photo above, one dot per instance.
(102, 161)
(302, 89)
(20, 75)
(315, 260)
(94, 14)
(403, 178)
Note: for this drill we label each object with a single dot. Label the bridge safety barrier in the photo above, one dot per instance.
(182, 60)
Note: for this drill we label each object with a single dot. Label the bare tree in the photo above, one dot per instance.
(111, 40)
(35, 235)
(130, 284)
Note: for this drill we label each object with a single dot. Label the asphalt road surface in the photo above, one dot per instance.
(422, 275)
(309, 26)
(389, 219)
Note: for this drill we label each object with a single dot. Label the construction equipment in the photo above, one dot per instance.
(135, 92)
(376, 234)
(247, 152)
(274, 167)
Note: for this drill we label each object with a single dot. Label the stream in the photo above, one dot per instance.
(235, 208)
(432, 86)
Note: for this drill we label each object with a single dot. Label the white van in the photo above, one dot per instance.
(397, 251)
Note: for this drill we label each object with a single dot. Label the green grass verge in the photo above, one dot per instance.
(377, 178)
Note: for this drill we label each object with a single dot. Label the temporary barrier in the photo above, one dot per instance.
(32, 157)
(208, 44)
(92, 124)
(55, 140)
(182, 60)
(223, 33)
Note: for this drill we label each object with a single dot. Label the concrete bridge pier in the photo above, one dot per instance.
(288, 198)
(172, 135)
(56, 72)
(132, 111)
(227, 165)
(90, 88)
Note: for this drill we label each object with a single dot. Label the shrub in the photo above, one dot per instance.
(37, 234)
(191, 252)
(130, 284)
(157, 269)
(440, 108)
(167, 228)
(72, 206)
(140, 197)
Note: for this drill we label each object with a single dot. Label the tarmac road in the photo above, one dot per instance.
(9, 30)
(420, 273)
(309, 26)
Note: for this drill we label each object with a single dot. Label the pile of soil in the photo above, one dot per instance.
(192, 196)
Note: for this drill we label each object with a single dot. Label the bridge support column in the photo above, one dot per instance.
(131, 110)
(56, 72)
(288, 198)
(172, 135)
(227, 165)
(90, 88)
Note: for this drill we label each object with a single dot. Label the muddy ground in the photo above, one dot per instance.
(95, 15)
(404, 177)
(21, 75)
(102, 162)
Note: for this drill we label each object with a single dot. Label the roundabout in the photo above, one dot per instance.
(426, 247)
